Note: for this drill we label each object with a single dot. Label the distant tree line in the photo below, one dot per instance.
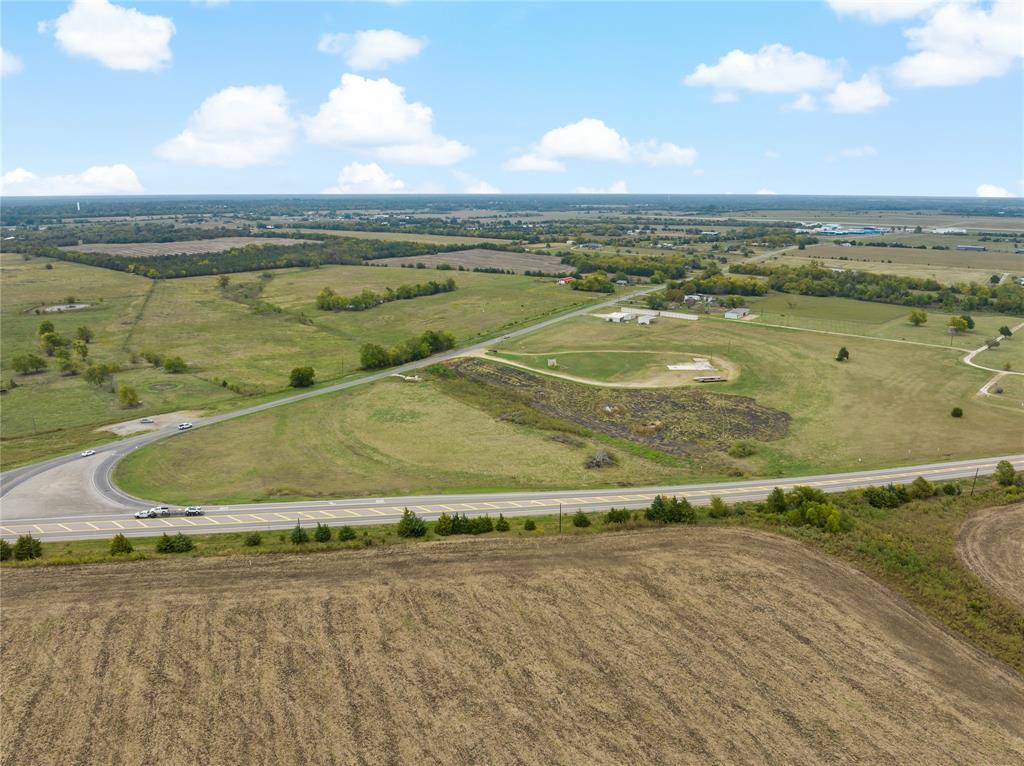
(328, 300)
(374, 357)
(887, 288)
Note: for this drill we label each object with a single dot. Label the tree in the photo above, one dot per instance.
(301, 377)
(51, 342)
(776, 502)
(96, 374)
(84, 334)
(580, 519)
(1005, 331)
(921, 488)
(175, 365)
(373, 356)
(918, 317)
(119, 545)
(529, 525)
(995, 279)
(153, 358)
(1005, 473)
(81, 348)
(616, 516)
(444, 525)
(29, 363)
(843, 354)
(299, 535)
(501, 525)
(956, 412)
(46, 326)
(223, 280)
(6, 550)
(969, 320)
(346, 533)
(718, 509)
(253, 539)
(27, 547)
(957, 325)
(322, 533)
(411, 525)
(69, 366)
(127, 396)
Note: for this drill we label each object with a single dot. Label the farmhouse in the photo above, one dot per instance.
(620, 316)
(736, 313)
(566, 280)
(690, 300)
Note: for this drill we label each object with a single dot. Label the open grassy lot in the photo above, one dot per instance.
(609, 648)
(386, 438)
(486, 259)
(187, 247)
(969, 267)
(945, 275)
(398, 236)
(876, 320)
(221, 337)
(888, 405)
(641, 369)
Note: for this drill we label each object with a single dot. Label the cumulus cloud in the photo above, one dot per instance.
(854, 152)
(9, 63)
(236, 127)
(991, 190)
(375, 115)
(805, 102)
(774, 68)
(618, 187)
(372, 48)
(764, 191)
(882, 11)
(591, 139)
(369, 178)
(99, 179)
(960, 44)
(471, 185)
(861, 95)
(119, 38)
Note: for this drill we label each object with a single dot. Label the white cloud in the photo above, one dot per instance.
(372, 48)
(374, 115)
(774, 68)
(764, 191)
(119, 38)
(960, 44)
(471, 185)
(99, 179)
(854, 152)
(9, 63)
(370, 178)
(882, 11)
(618, 187)
(591, 139)
(861, 95)
(991, 190)
(236, 127)
(803, 103)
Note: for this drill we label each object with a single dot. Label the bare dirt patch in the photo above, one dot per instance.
(689, 646)
(480, 258)
(185, 247)
(136, 425)
(679, 421)
(62, 307)
(991, 543)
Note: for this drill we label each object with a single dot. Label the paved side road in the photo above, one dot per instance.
(280, 516)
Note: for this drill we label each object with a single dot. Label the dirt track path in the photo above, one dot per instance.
(991, 543)
(684, 646)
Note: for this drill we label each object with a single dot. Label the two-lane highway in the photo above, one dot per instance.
(280, 516)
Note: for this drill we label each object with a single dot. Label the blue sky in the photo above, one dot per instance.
(831, 97)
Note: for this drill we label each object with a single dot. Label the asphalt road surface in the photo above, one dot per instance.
(280, 516)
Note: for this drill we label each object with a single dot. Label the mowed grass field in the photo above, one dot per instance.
(888, 405)
(220, 339)
(385, 438)
(597, 649)
(878, 320)
(187, 247)
(398, 236)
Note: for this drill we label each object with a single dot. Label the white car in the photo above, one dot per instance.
(148, 513)
(89, 453)
(184, 426)
(146, 420)
(194, 510)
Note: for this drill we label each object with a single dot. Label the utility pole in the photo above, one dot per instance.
(975, 480)
(559, 518)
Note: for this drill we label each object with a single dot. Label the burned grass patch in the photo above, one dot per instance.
(680, 421)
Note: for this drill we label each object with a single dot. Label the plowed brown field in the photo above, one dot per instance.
(699, 645)
(991, 543)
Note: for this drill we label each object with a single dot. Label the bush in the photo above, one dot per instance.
(411, 525)
(671, 510)
(616, 516)
(253, 539)
(529, 525)
(889, 496)
(501, 525)
(718, 509)
(951, 488)
(480, 525)
(119, 544)
(301, 377)
(178, 544)
(776, 501)
(601, 459)
(444, 525)
(843, 354)
(742, 448)
(175, 365)
(346, 533)
(921, 488)
(580, 519)
(299, 535)
(956, 412)
(322, 533)
(1005, 473)
(27, 547)
(6, 550)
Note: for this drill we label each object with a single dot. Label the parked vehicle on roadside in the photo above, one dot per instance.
(194, 510)
(184, 426)
(89, 453)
